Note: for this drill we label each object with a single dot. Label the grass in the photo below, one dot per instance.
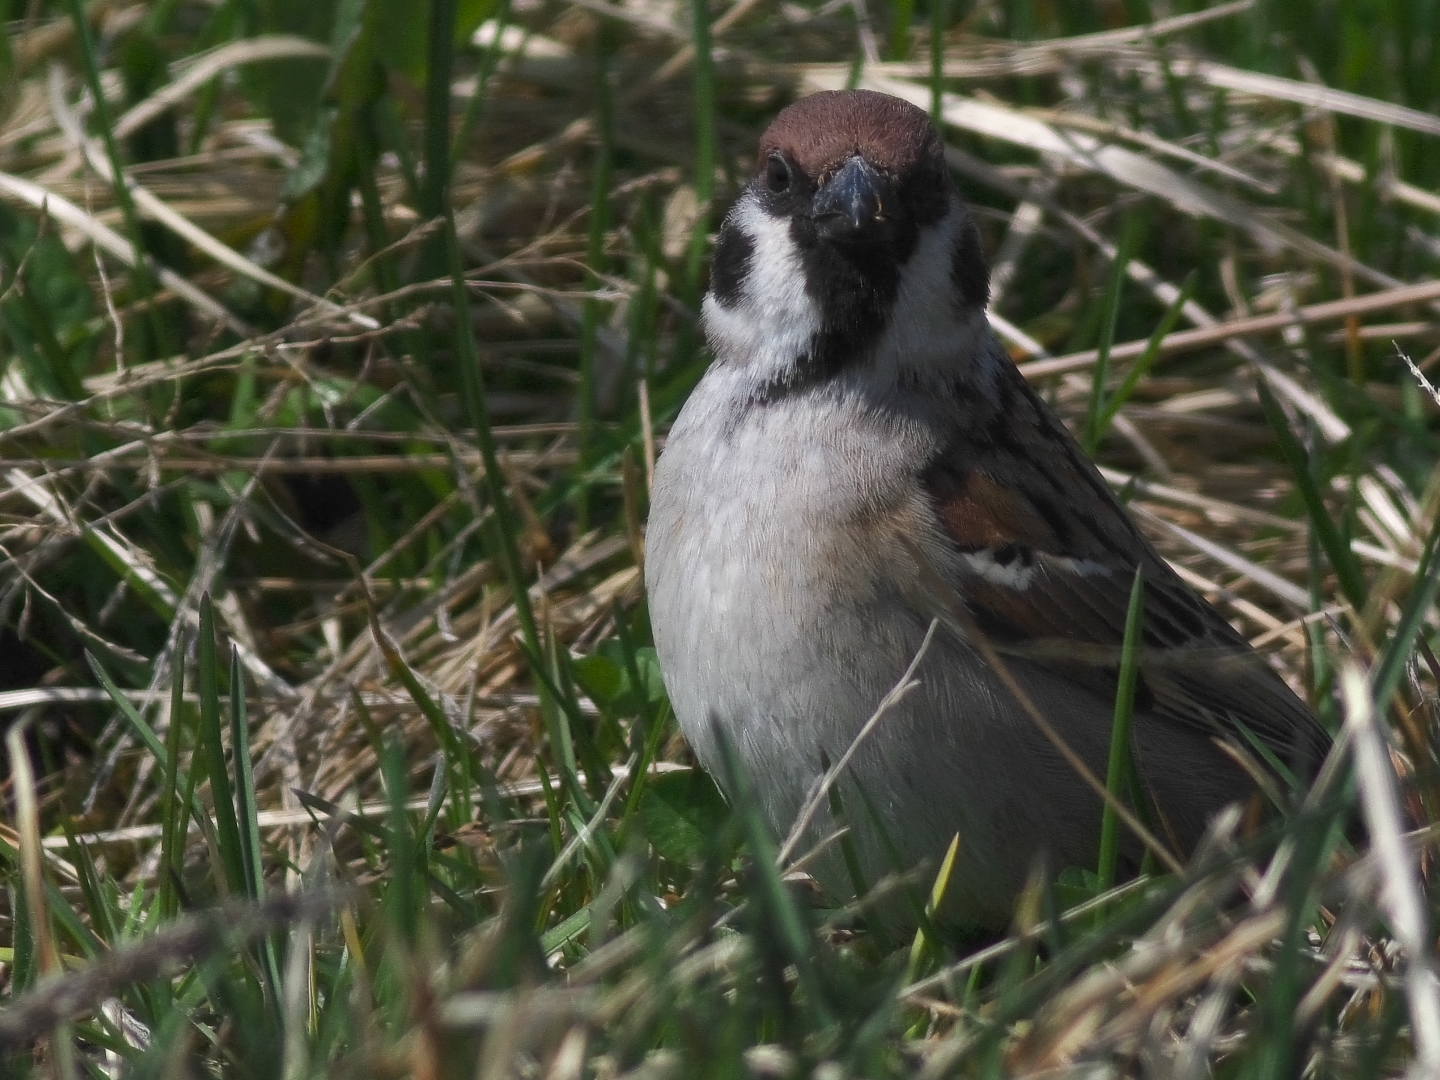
(334, 742)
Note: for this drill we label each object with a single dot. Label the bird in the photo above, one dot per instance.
(862, 489)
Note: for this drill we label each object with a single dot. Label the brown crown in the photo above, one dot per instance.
(817, 133)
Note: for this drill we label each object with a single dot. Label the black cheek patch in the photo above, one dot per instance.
(968, 270)
(730, 265)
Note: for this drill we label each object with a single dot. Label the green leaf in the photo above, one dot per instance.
(606, 677)
(681, 814)
(601, 678)
(403, 32)
(1075, 885)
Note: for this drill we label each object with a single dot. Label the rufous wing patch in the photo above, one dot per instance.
(979, 514)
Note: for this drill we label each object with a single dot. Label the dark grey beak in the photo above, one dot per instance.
(851, 201)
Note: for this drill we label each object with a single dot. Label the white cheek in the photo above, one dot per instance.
(773, 320)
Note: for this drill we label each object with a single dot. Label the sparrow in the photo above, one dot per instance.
(863, 485)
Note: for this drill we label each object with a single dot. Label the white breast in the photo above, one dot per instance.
(777, 609)
(749, 559)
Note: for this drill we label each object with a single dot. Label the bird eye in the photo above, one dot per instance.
(777, 173)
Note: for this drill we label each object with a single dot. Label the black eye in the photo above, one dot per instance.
(777, 173)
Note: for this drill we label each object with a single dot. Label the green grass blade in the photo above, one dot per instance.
(211, 745)
(1120, 767)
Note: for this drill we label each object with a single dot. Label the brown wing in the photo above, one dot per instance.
(1046, 563)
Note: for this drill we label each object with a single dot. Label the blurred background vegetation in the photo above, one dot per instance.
(336, 343)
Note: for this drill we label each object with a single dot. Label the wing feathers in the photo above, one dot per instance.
(1035, 599)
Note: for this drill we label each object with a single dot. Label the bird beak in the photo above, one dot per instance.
(851, 201)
